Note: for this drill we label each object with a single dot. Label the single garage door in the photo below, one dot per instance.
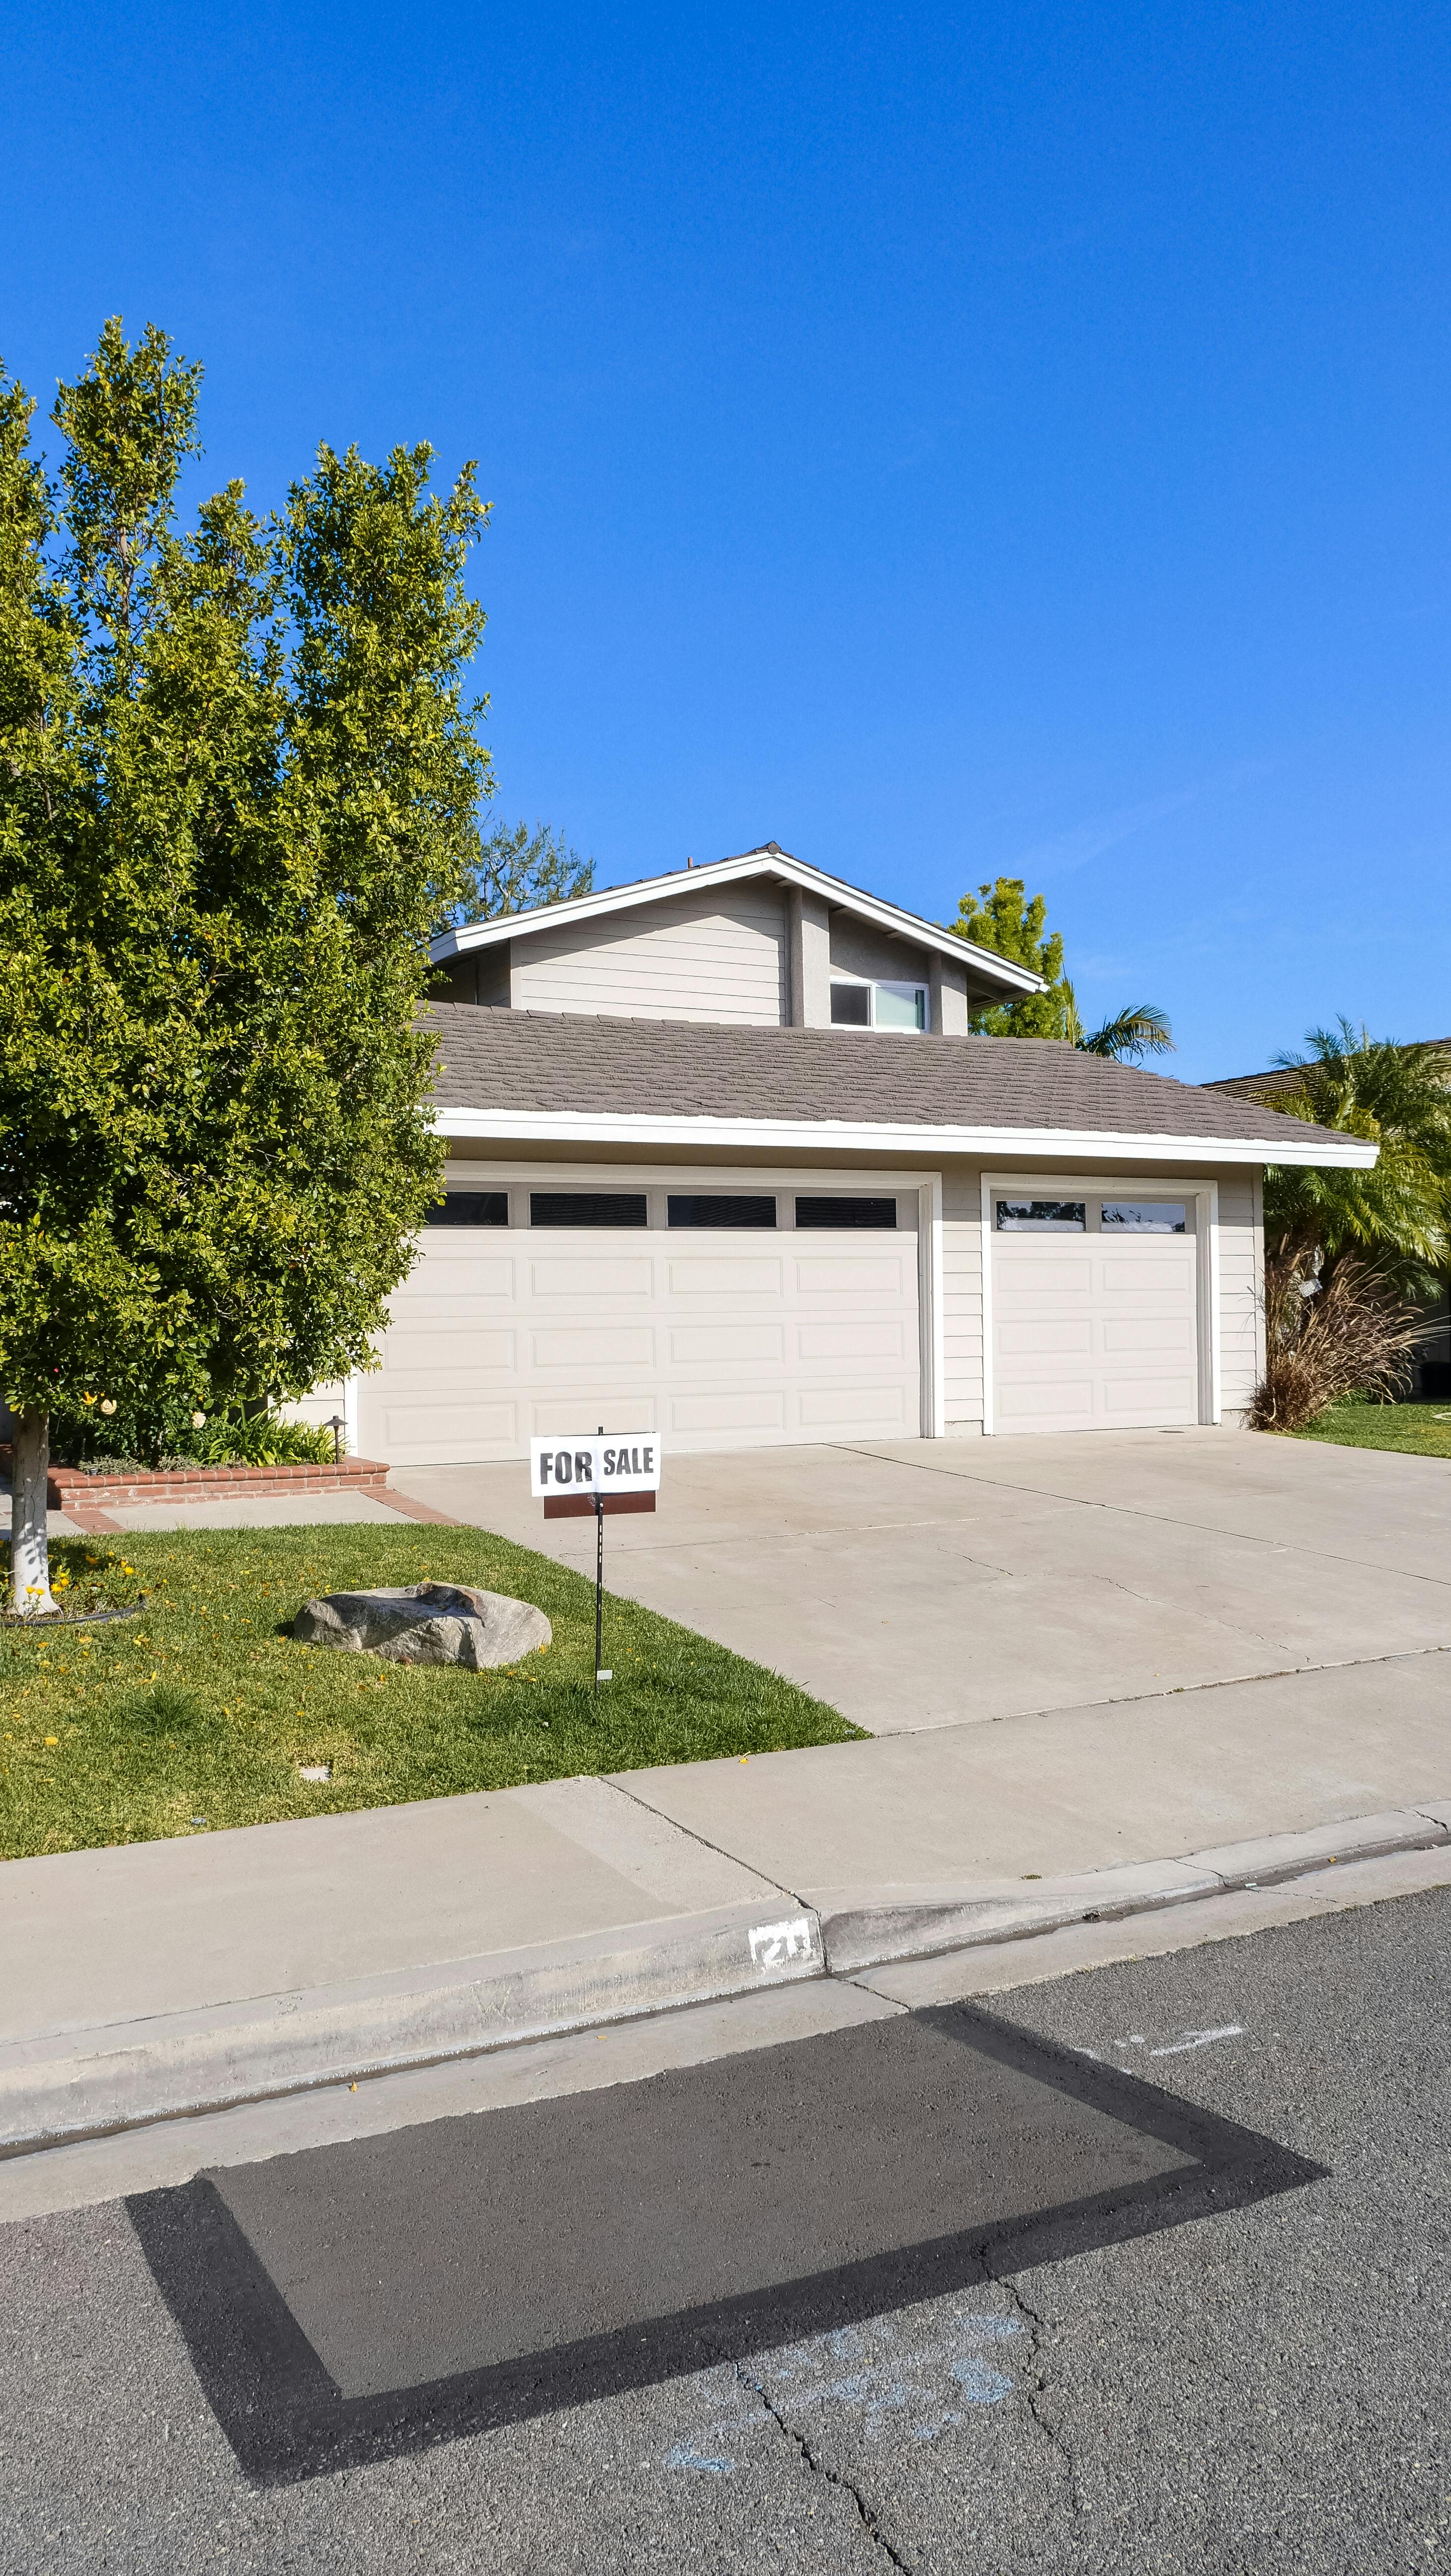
(721, 1319)
(1095, 1312)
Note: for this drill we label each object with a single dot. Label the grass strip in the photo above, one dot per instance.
(204, 1712)
(1419, 1430)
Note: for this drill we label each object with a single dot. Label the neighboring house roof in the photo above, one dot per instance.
(770, 861)
(1284, 1077)
(528, 1074)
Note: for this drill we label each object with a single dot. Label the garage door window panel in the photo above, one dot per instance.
(1144, 1216)
(833, 1215)
(1042, 1216)
(737, 1214)
(470, 1207)
(587, 1207)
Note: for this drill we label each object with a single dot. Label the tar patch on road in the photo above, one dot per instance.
(358, 2301)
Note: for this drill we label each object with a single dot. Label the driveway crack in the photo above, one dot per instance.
(832, 2477)
(1232, 1628)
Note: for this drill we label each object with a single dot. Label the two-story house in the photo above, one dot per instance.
(726, 1163)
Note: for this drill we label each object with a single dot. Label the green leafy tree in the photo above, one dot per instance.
(1395, 1219)
(238, 780)
(1001, 916)
(516, 869)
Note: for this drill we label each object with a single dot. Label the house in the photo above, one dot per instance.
(1283, 1077)
(725, 1162)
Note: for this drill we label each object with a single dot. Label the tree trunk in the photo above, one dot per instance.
(30, 1591)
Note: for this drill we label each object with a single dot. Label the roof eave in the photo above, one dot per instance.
(997, 971)
(584, 1127)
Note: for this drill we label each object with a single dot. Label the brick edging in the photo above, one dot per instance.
(67, 1486)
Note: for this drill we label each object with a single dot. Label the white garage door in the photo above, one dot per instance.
(794, 1319)
(1094, 1312)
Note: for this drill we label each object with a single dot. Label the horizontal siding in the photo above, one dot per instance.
(1241, 1297)
(859, 948)
(709, 956)
(962, 1354)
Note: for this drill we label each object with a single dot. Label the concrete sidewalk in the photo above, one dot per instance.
(169, 1978)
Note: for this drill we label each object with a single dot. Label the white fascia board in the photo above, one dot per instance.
(840, 1135)
(868, 907)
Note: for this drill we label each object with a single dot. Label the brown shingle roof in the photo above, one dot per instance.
(534, 1061)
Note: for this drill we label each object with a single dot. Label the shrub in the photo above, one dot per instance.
(163, 1434)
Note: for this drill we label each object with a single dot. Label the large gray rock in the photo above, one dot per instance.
(426, 1623)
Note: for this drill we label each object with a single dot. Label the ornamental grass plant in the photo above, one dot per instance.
(1353, 1336)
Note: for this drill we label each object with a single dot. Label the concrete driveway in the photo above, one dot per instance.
(930, 1583)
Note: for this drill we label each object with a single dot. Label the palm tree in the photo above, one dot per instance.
(1134, 1033)
(1396, 1218)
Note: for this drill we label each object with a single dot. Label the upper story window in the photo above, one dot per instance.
(858, 1004)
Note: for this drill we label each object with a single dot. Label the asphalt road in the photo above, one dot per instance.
(1262, 2387)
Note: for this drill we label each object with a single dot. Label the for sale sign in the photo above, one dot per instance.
(594, 1462)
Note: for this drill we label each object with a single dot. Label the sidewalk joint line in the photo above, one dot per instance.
(691, 1835)
(1175, 1690)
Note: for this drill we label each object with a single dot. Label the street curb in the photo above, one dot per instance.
(86, 2084)
(876, 1928)
(126, 2075)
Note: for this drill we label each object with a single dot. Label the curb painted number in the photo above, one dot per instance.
(774, 1944)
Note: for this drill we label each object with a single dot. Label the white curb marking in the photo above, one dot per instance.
(774, 1944)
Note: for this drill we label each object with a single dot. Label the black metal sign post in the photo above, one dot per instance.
(600, 1587)
(576, 1475)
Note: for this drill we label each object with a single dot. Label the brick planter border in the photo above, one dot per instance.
(68, 1490)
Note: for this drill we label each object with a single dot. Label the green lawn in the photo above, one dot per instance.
(204, 1709)
(1423, 1430)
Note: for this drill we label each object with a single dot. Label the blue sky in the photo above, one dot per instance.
(945, 441)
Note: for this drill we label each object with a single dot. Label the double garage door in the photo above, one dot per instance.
(720, 1320)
